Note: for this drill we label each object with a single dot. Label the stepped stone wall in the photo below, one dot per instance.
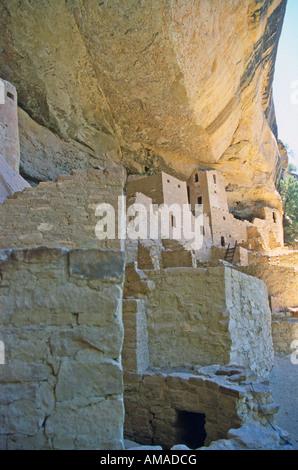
(62, 213)
(61, 386)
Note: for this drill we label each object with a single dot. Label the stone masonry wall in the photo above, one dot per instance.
(61, 386)
(240, 255)
(187, 318)
(281, 282)
(149, 186)
(287, 259)
(250, 322)
(62, 213)
(209, 185)
(225, 225)
(208, 316)
(270, 227)
(217, 398)
(284, 333)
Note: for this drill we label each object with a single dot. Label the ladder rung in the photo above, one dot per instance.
(230, 253)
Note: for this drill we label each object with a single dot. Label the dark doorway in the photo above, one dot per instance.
(222, 241)
(191, 429)
(188, 194)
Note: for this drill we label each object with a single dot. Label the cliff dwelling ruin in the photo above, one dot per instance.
(120, 343)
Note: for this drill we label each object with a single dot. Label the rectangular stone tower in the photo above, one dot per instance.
(9, 132)
(10, 180)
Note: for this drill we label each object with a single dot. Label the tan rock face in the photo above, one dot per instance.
(45, 156)
(158, 84)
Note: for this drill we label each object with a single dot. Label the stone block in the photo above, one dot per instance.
(175, 259)
(271, 409)
(20, 371)
(255, 436)
(97, 426)
(10, 393)
(32, 239)
(93, 379)
(24, 417)
(71, 342)
(18, 441)
(97, 264)
(232, 391)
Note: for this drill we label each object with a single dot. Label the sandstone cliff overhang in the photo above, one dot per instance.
(153, 84)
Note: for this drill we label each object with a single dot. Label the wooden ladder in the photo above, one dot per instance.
(230, 253)
(273, 260)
